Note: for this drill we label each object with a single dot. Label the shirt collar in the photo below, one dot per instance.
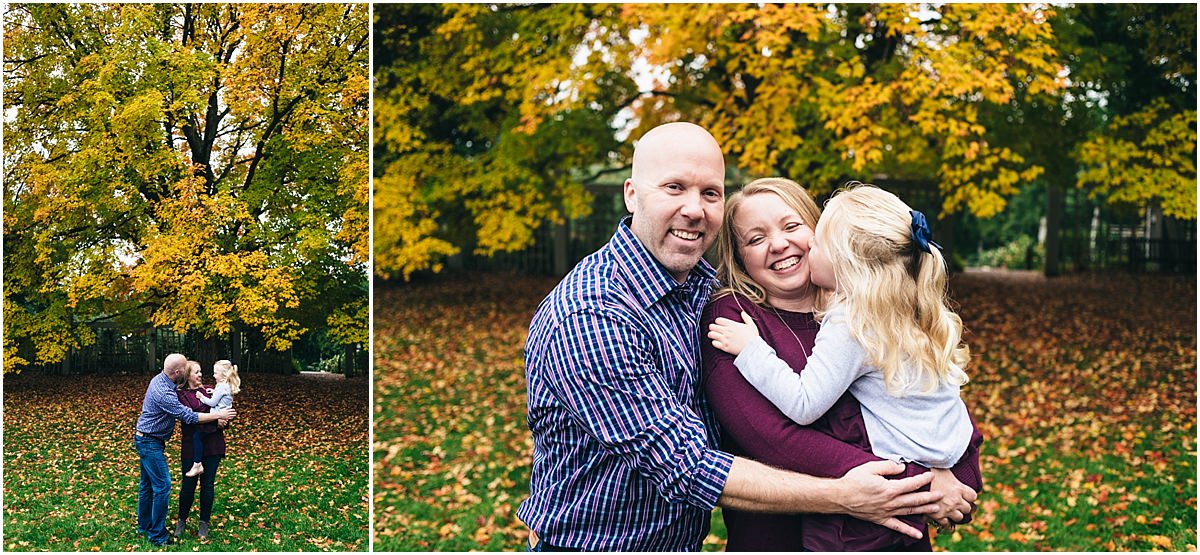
(654, 281)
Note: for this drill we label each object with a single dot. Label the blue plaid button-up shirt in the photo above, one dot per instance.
(161, 408)
(623, 457)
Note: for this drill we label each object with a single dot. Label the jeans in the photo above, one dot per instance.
(197, 446)
(154, 489)
(207, 481)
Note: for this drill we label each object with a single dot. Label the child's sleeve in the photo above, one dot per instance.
(210, 401)
(836, 361)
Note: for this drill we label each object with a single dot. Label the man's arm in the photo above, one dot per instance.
(609, 383)
(169, 401)
(862, 493)
(223, 414)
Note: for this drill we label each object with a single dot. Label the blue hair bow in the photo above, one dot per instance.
(921, 233)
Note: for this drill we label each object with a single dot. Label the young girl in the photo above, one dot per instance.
(887, 334)
(228, 385)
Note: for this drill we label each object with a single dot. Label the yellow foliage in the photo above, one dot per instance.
(128, 199)
(404, 226)
(1147, 156)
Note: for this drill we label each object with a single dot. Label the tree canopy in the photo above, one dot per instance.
(197, 166)
(545, 97)
(1137, 71)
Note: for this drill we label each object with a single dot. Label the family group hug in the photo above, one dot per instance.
(809, 384)
(178, 393)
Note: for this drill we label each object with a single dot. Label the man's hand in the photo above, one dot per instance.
(957, 501)
(227, 414)
(871, 497)
(730, 336)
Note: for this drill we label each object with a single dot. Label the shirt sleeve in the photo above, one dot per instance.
(209, 401)
(835, 363)
(168, 401)
(604, 371)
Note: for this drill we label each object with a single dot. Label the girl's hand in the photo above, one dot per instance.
(730, 336)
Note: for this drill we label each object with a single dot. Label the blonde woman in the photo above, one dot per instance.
(228, 385)
(874, 254)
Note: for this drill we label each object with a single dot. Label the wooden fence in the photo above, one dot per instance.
(118, 351)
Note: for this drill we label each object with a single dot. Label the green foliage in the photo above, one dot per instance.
(1133, 81)
(1083, 386)
(287, 482)
(1023, 253)
(1146, 157)
(183, 165)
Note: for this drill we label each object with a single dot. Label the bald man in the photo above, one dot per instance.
(160, 409)
(622, 457)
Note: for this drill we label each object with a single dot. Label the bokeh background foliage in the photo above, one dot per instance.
(975, 103)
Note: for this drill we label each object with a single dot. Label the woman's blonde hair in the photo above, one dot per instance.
(894, 292)
(731, 271)
(231, 375)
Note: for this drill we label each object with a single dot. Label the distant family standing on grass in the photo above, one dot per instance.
(160, 409)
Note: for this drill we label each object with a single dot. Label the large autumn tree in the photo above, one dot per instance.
(1125, 126)
(820, 93)
(197, 166)
(486, 123)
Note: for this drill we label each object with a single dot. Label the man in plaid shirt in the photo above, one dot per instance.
(624, 449)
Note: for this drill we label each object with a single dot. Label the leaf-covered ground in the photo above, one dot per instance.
(294, 479)
(1084, 386)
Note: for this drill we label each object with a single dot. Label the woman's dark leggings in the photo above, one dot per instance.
(187, 491)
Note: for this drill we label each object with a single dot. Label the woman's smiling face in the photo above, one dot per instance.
(772, 241)
(195, 378)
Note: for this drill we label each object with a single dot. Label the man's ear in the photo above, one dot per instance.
(630, 195)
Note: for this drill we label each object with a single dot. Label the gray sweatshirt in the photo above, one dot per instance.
(931, 429)
(221, 398)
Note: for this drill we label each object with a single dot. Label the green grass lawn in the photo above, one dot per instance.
(1084, 387)
(294, 477)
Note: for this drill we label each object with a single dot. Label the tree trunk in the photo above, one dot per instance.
(208, 352)
(561, 249)
(348, 361)
(1054, 213)
(152, 351)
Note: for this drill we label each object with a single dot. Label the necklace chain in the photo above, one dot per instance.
(790, 330)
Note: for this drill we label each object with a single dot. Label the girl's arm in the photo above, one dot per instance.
(836, 361)
(750, 421)
(210, 401)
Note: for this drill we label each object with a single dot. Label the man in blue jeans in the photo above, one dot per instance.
(160, 409)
